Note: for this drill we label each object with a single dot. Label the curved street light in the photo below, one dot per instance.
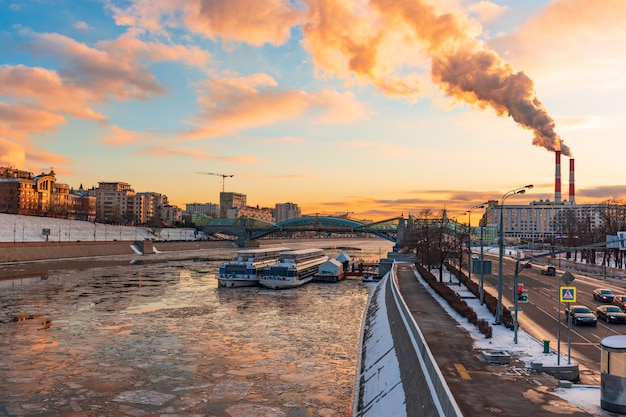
(521, 190)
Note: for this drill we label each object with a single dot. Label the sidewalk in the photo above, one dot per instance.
(479, 388)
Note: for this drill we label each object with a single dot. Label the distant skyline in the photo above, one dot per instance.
(370, 107)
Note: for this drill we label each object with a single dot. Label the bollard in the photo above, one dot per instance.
(546, 346)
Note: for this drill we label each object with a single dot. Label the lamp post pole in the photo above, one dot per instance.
(469, 240)
(501, 246)
(481, 290)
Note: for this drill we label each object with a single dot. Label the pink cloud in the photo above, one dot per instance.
(284, 139)
(120, 136)
(12, 154)
(229, 105)
(29, 118)
(487, 11)
(195, 153)
(28, 158)
(555, 39)
(28, 85)
(104, 74)
(253, 22)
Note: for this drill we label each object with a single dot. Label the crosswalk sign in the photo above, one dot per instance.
(567, 294)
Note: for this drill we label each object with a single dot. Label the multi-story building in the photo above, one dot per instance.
(264, 214)
(209, 209)
(84, 204)
(230, 200)
(286, 211)
(115, 202)
(543, 220)
(21, 192)
(148, 207)
(171, 215)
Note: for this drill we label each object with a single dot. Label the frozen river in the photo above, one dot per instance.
(164, 339)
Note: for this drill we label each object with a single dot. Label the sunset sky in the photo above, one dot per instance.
(376, 108)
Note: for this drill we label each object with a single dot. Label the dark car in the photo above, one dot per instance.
(603, 295)
(620, 301)
(581, 315)
(611, 314)
(548, 270)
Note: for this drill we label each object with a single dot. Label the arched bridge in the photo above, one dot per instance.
(245, 229)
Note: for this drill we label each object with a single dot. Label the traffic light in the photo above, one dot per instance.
(522, 296)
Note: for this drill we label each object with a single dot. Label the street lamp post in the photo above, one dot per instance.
(501, 245)
(481, 290)
(469, 240)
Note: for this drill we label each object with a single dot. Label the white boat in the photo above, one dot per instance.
(294, 268)
(248, 265)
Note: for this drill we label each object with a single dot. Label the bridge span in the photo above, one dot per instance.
(245, 229)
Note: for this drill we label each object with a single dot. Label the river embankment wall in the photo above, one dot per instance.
(34, 251)
(395, 367)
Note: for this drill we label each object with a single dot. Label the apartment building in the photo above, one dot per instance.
(209, 209)
(115, 203)
(229, 200)
(286, 211)
(542, 220)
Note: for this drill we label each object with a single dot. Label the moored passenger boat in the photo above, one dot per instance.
(248, 266)
(294, 268)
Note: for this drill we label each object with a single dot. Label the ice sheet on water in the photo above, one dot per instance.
(144, 397)
(230, 391)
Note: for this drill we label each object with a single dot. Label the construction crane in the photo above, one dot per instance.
(224, 176)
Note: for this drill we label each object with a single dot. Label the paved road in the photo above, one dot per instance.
(479, 388)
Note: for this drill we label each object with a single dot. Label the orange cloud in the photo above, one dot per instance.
(168, 151)
(26, 157)
(564, 31)
(128, 48)
(487, 11)
(254, 22)
(103, 74)
(29, 85)
(229, 105)
(120, 136)
(284, 139)
(12, 154)
(29, 118)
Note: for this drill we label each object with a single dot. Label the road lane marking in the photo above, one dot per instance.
(462, 371)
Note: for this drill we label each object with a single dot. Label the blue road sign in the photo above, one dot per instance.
(567, 294)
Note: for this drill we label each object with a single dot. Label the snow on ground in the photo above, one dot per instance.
(19, 228)
(383, 393)
(527, 348)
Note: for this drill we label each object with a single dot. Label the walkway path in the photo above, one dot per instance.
(479, 388)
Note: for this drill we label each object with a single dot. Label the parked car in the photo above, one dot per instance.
(603, 295)
(581, 315)
(620, 301)
(548, 270)
(611, 314)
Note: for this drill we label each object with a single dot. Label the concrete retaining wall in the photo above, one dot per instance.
(32, 251)
(392, 348)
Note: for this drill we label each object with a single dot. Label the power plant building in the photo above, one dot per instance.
(543, 220)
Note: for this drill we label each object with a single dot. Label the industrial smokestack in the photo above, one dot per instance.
(557, 178)
(572, 198)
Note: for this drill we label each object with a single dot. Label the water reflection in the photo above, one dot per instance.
(165, 339)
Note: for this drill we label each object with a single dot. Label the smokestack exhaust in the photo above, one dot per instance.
(572, 198)
(557, 178)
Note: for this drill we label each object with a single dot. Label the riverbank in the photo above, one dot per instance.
(39, 258)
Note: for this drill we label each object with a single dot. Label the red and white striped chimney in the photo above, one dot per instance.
(557, 178)
(572, 198)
